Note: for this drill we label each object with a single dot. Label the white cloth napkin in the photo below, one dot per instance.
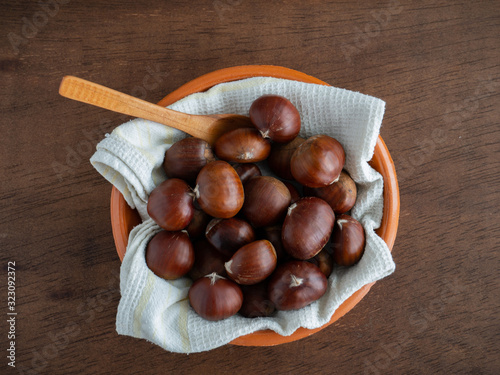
(131, 157)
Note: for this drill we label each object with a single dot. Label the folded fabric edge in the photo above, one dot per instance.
(377, 109)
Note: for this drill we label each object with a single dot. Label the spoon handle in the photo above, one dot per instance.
(91, 93)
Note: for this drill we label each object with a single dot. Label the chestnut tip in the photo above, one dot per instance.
(214, 276)
(295, 281)
(291, 208)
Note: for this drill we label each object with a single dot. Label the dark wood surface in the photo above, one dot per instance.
(435, 63)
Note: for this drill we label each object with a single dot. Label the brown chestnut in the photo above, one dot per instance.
(244, 145)
(252, 263)
(280, 156)
(185, 158)
(247, 171)
(324, 261)
(266, 201)
(170, 204)
(296, 284)
(170, 255)
(198, 224)
(228, 235)
(214, 297)
(318, 161)
(273, 235)
(256, 302)
(307, 227)
(294, 193)
(219, 190)
(276, 118)
(348, 241)
(207, 259)
(341, 195)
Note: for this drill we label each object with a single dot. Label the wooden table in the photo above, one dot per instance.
(435, 63)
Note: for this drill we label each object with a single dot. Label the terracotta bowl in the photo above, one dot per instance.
(123, 218)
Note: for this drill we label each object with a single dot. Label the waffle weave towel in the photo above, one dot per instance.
(131, 158)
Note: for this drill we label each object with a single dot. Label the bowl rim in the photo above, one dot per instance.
(381, 161)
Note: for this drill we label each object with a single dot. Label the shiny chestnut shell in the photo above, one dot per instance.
(275, 117)
(348, 241)
(273, 235)
(324, 261)
(294, 193)
(244, 145)
(207, 259)
(341, 195)
(318, 161)
(219, 190)
(198, 224)
(170, 204)
(296, 284)
(170, 255)
(185, 158)
(247, 171)
(280, 156)
(266, 201)
(252, 263)
(228, 235)
(307, 227)
(256, 302)
(214, 297)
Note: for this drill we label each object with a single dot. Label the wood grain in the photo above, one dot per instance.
(435, 63)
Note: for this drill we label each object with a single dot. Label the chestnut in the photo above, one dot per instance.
(185, 158)
(252, 263)
(170, 204)
(307, 227)
(228, 235)
(296, 284)
(247, 171)
(207, 259)
(198, 224)
(294, 193)
(244, 145)
(318, 161)
(341, 195)
(266, 201)
(170, 255)
(214, 297)
(348, 241)
(280, 156)
(273, 235)
(324, 261)
(256, 302)
(275, 117)
(219, 190)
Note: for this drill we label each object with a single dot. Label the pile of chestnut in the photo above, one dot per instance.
(254, 244)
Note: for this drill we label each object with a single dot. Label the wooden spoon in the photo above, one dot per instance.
(207, 127)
